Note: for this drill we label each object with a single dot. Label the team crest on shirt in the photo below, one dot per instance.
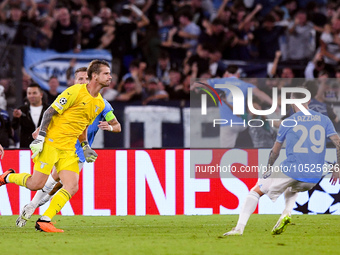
(42, 164)
(63, 101)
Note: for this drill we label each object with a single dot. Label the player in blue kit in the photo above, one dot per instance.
(302, 170)
(53, 185)
(228, 133)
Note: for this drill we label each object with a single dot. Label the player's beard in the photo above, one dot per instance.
(105, 85)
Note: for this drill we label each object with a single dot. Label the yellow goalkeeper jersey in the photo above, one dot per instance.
(77, 109)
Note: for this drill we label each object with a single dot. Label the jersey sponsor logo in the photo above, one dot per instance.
(58, 105)
(42, 164)
(63, 101)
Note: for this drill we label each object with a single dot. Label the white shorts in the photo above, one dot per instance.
(278, 182)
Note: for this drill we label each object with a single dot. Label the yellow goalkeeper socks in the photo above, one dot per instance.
(57, 202)
(19, 179)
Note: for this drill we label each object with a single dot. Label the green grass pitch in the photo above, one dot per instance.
(308, 234)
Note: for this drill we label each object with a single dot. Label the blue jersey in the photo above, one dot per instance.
(92, 130)
(225, 111)
(305, 145)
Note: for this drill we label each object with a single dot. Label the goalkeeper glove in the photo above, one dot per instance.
(90, 155)
(37, 145)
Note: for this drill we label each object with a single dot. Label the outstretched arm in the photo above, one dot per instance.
(262, 96)
(37, 145)
(274, 154)
(112, 125)
(46, 120)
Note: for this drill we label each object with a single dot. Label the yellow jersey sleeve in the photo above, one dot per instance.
(66, 99)
(77, 109)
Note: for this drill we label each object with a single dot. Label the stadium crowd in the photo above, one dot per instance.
(159, 46)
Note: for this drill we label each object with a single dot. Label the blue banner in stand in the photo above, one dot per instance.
(42, 64)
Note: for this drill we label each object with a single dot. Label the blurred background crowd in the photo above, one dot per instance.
(159, 46)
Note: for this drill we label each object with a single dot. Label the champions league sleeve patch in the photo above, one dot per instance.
(63, 101)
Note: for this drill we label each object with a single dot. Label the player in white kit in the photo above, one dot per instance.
(301, 171)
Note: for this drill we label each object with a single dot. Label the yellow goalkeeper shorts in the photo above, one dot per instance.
(51, 156)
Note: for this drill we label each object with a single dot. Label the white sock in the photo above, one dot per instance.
(248, 208)
(45, 218)
(44, 199)
(290, 198)
(40, 195)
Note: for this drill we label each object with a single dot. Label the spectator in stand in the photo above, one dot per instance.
(189, 31)
(198, 13)
(317, 101)
(181, 91)
(289, 8)
(21, 24)
(314, 67)
(224, 13)
(6, 131)
(65, 32)
(52, 93)
(201, 58)
(109, 93)
(73, 6)
(153, 92)
(183, 38)
(10, 91)
(103, 17)
(328, 87)
(44, 33)
(130, 91)
(163, 67)
(123, 48)
(90, 36)
(216, 66)
(213, 34)
(136, 72)
(175, 78)
(337, 73)
(301, 38)
(273, 66)
(287, 73)
(330, 43)
(148, 74)
(108, 27)
(144, 5)
(166, 23)
(318, 18)
(243, 41)
(28, 117)
(267, 38)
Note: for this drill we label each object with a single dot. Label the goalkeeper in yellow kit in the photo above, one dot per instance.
(64, 122)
